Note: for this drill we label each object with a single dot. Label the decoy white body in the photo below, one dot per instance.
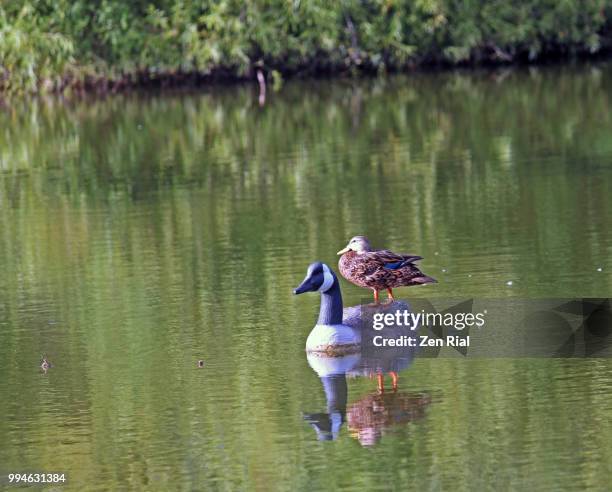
(339, 331)
(322, 338)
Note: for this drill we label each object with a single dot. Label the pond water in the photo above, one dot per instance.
(142, 233)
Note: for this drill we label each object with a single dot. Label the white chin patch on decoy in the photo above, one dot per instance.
(328, 279)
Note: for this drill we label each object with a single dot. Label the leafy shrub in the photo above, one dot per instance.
(49, 44)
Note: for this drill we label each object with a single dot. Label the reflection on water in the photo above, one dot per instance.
(140, 234)
(376, 413)
(327, 425)
(370, 415)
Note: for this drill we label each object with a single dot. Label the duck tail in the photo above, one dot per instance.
(424, 279)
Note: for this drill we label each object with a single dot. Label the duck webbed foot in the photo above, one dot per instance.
(376, 299)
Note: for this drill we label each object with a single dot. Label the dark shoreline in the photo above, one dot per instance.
(175, 80)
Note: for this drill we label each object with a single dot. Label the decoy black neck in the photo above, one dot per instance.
(336, 392)
(330, 312)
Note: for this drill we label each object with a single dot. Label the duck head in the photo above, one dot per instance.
(359, 244)
(319, 278)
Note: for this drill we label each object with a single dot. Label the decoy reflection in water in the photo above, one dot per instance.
(370, 416)
(341, 345)
(332, 371)
(379, 269)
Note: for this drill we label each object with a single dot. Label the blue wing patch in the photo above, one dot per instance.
(394, 266)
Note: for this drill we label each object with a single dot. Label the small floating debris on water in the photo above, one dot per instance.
(444, 270)
(200, 363)
(436, 253)
(509, 283)
(45, 364)
(600, 269)
(469, 275)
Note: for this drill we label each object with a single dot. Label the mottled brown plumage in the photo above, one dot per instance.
(379, 269)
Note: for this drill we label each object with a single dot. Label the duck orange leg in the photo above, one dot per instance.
(376, 298)
(380, 382)
(390, 294)
(394, 378)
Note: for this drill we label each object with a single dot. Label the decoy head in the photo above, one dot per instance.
(359, 244)
(319, 278)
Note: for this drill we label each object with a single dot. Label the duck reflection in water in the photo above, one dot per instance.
(341, 345)
(370, 416)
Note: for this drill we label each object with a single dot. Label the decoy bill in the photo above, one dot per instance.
(379, 269)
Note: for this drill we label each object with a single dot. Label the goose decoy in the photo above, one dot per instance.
(379, 269)
(329, 334)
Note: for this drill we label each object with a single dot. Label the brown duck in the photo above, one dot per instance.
(379, 269)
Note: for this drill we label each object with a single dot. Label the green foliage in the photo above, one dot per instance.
(31, 56)
(45, 43)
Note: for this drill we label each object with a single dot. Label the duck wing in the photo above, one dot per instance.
(388, 269)
(383, 258)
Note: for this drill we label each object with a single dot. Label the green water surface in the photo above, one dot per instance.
(142, 233)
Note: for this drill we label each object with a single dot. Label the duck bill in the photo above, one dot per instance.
(342, 251)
